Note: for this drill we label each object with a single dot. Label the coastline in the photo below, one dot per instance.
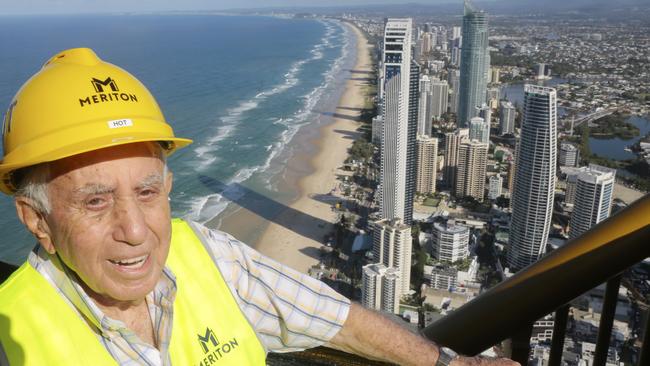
(293, 234)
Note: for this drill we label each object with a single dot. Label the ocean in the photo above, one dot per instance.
(242, 87)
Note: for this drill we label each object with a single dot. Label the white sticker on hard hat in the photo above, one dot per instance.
(119, 123)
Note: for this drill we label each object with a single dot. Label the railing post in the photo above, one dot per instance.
(607, 320)
(644, 355)
(520, 345)
(559, 331)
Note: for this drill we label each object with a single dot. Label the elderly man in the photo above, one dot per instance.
(115, 280)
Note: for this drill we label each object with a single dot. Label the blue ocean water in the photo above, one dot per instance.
(241, 87)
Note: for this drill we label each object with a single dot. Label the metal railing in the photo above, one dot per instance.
(509, 310)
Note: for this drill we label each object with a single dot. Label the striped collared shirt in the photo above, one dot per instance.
(288, 310)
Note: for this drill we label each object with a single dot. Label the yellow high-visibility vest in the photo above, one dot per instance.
(37, 326)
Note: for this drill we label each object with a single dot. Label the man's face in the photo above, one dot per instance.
(110, 219)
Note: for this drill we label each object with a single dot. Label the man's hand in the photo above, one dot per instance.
(482, 361)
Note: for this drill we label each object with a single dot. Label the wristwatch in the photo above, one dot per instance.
(445, 356)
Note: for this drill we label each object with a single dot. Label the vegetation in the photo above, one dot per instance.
(462, 264)
(361, 150)
(614, 125)
(431, 202)
(431, 308)
(499, 59)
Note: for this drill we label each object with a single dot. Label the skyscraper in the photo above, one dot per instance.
(507, 118)
(534, 186)
(411, 148)
(450, 241)
(479, 130)
(453, 79)
(427, 161)
(569, 154)
(439, 98)
(400, 109)
(380, 285)
(452, 142)
(495, 187)
(593, 198)
(470, 173)
(425, 102)
(473, 64)
(392, 246)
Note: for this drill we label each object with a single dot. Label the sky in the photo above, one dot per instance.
(8, 7)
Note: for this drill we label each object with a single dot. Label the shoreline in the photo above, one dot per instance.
(293, 234)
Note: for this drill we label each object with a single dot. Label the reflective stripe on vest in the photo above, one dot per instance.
(37, 326)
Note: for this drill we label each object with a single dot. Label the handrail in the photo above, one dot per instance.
(564, 274)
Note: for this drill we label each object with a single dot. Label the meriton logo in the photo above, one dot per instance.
(209, 336)
(99, 85)
(213, 351)
(107, 91)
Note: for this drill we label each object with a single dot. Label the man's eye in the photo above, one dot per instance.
(96, 202)
(148, 193)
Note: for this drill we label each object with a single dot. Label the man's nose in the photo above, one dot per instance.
(130, 223)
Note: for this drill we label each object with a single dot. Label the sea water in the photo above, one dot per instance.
(240, 87)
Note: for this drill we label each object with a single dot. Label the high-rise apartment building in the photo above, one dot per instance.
(380, 287)
(571, 187)
(507, 118)
(593, 198)
(495, 186)
(569, 154)
(455, 32)
(479, 130)
(492, 97)
(425, 102)
(450, 241)
(399, 110)
(427, 161)
(470, 173)
(453, 79)
(473, 63)
(452, 142)
(377, 129)
(485, 112)
(411, 148)
(392, 246)
(439, 98)
(495, 75)
(534, 186)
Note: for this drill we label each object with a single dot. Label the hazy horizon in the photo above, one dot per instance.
(39, 7)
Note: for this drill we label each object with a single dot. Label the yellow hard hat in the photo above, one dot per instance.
(74, 104)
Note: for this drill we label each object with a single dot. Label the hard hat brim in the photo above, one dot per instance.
(82, 146)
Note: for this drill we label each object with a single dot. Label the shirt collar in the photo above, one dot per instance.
(67, 283)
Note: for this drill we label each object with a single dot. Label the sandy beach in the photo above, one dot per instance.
(294, 234)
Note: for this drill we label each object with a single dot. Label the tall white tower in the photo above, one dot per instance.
(424, 105)
(439, 98)
(534, 186)
(392, 246)
(399, 128)
(593, 198)
(380, 288)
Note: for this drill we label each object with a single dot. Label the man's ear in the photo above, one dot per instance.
(169, 180)
(34, 221)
